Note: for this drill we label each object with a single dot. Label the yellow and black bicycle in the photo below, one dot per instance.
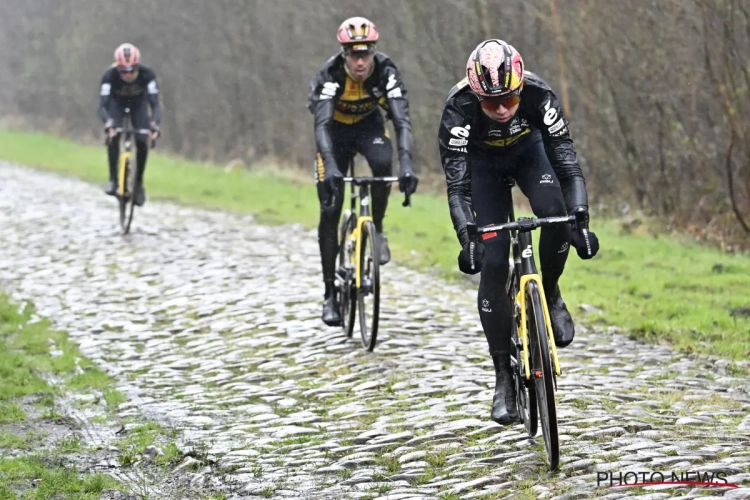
(358, 261)
(534, 355)
(126, 170)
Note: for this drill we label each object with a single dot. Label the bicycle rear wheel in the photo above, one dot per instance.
(542, 373)
(368, 294)
(525, 391)
(345, 273)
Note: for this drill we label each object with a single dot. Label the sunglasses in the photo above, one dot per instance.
(127, 71)
(359, 50)
(506, 101)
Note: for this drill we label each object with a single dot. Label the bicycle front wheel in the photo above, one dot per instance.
(127, 202)
(542, 373)
(368, 293)
(123, 202)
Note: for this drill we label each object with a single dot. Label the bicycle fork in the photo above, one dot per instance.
(357, 235)
(124, 159)
(524, 262)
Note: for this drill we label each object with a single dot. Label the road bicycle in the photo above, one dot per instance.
(358, 261)
(534, 360)
(126, 170)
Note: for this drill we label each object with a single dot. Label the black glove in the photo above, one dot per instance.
(585, 241)
(470, 258)
(333, 180)
(154, 127)
(109, 125)
(407, 179)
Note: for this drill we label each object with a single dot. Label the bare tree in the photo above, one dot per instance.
(657, 95)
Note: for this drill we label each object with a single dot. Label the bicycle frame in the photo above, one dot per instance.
(363, 216)
(525, 270)
(363, 213)
(125, 152)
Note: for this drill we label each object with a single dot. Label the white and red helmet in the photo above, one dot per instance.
(127, 56)
(495, 69)
(357, 33)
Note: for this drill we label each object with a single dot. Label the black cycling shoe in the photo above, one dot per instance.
(140, 196)
(504, 410)
(331, 316)
(111, 188)
(385, 252)
(562, 324)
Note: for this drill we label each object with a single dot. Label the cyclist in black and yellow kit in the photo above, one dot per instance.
(344, 98)
(503, 121)
(129, 84)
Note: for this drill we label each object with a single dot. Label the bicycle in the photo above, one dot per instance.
(358, 261)
(535, 379)
(125, 192)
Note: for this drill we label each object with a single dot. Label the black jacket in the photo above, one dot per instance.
(464, 127)
(334, 96)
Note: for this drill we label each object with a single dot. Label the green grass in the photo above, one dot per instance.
(54, 480)
(171, 454)
(113, 397)
(141, 437)
(24, 360)
(11, 412)
(660, 289)
(13, 440)
(25, 354)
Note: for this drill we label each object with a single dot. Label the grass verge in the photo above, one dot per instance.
(659, 287)
(34, 463)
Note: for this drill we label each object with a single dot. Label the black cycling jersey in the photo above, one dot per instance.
(115, 89)
(336, 97)
(465, 128)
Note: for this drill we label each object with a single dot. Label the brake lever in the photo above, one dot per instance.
(471, 231)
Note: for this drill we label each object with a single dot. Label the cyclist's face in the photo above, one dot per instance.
(128, 75)
(359, 63)
(501, 109)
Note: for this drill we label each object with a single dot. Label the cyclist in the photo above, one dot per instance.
(129, 84)
(344, 98)
(498, 122)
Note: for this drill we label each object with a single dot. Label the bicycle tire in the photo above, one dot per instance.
(345, 274)
(542, 373)
(129, 201)
(525, 391)
(123, 210)
(369, 284)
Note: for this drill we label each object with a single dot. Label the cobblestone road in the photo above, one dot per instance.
(210, 323)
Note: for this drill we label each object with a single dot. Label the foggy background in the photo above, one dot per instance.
(656, 91)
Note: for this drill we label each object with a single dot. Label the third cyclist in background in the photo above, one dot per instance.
(129, 84)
